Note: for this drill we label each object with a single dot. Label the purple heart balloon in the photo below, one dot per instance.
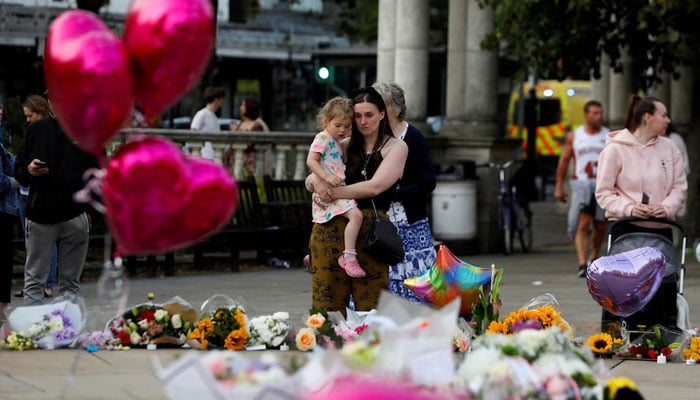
(624, 283)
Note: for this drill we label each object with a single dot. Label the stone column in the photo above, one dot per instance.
(411, 61)
(600, 88)
(456, 58)
(386, 41)
(681, 103)
(662, 90)
(481, 74)
(621, 86)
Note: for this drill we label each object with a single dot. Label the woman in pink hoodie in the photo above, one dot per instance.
(641, 175)
(640, 172)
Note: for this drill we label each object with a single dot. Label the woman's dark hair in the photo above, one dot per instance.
(252, 108)
(356, 148)
(37, 104)
(636, 108)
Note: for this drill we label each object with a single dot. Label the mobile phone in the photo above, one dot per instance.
(645, 198)
(41, 164)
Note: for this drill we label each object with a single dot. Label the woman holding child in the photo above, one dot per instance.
(374, 164)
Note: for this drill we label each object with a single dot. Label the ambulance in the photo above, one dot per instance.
(560, 110)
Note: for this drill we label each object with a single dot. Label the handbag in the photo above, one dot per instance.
(383, 240)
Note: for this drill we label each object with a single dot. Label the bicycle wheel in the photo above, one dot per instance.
(524, 228)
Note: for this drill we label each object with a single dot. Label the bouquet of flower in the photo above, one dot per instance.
(46, 326)
(692, 352)
(150, 323)
(319, 330)
(223, 327)
(269, 330)
(531, 363)
(604, 344)
(659, 341)
(539, 313)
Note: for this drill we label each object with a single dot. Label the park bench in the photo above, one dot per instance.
(277, 224)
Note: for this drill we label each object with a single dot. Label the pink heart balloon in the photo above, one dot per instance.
(170, 42)
(88, 78)
(159, 199)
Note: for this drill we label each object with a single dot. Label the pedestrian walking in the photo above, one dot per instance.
(586, 219)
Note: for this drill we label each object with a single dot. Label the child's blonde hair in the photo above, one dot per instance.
(336, 107)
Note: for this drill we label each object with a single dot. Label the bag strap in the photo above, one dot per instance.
(364, 173)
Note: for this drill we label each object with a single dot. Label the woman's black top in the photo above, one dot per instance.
(381, 201)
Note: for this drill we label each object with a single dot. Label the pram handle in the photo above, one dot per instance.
(656, 220)
(681, 270)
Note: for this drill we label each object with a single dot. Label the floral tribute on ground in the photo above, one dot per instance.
(330, 330)
(149, 323)
(269, 330)
(406, 349)
(46, 326)
(223, 325)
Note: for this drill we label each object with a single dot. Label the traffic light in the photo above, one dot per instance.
(324, 74)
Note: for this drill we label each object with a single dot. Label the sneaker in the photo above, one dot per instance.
(581, 271)
(351, 267)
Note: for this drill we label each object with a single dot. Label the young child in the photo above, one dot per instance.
(325, 159)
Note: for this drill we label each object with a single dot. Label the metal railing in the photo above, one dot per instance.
(281, 155)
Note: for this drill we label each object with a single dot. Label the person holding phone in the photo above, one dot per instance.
(54, 167)
(641, 175)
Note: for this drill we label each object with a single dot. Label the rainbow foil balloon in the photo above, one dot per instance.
(449, 278)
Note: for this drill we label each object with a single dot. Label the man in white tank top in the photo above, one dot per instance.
(583, 146)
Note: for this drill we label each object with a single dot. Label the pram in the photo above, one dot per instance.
(668, 306)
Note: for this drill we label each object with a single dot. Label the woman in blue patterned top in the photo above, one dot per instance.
(409, 208)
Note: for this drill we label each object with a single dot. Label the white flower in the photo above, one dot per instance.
(554, 364)
(160, 314)
(268, 330)
(135, 338)
(176, 321)
(35, 330)
(282, 315)
(55, 324)
(143, 324)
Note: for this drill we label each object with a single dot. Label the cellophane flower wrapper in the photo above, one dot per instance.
(176, 335)
(668, 336)
(226, 375)
(416, 340)
(351, 327)
(65, 317)
(525, 364)
(208, 311)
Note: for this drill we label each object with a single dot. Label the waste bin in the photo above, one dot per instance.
(454, 210)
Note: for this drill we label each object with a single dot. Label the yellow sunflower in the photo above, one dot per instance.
(618, 383)
(498, 327)
(236, 339)
(600, 343)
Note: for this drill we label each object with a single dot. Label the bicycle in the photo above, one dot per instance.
(514, 216)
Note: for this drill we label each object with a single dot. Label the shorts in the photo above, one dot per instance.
(583, 200)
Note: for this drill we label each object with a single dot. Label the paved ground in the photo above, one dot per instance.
(550, 268)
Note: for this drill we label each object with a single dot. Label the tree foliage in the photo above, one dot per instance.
(562, 38)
